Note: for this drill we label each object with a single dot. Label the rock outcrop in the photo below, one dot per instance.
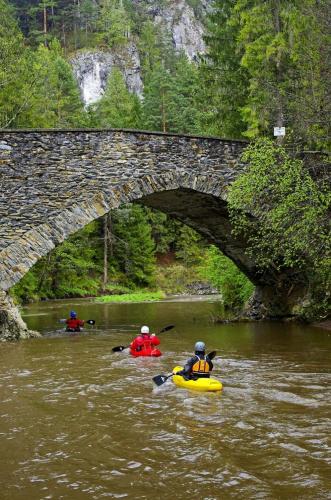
(12, 327)
(178, 19)
(174, 18)
(92, 68)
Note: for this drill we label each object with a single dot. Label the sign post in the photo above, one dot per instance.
(279, 132)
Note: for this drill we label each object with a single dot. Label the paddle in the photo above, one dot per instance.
(161, 379)
(121, 348)
(89, 321)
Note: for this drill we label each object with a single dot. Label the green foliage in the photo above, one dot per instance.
(117, 108)
(162, 229)
(289, 226)
(134, 249)
(67, 271)
(170, 97)
(157, 99)
(149, 48)
(55, 101)
(224, 80)
(284, 215)
(15, 81)
(188, 245)
(267, 65)
(234, 286)
(133, 297)
(114, 24)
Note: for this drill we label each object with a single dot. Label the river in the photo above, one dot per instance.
(80, 422)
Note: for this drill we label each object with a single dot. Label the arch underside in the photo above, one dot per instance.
(198, 201)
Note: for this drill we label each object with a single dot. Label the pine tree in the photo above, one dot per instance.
(157, 99)
(224, 82)
(183, 112)
(117, 108)
(15, 78)
(268, 63)
(114, 24)
(55, 100)
(134, 248)
(149, 49)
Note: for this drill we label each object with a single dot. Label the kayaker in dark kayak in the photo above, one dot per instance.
(144, 343)
(199, 366)
(73, 323)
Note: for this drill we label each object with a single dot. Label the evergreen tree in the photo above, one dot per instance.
(157, 99)
(117, 108)
(224, 82)
(133, 245)
(55, 101)
(183, 113)
(15, 79)
(113, 24)
(71, 269)
(42, 16)
(268, 63)
(149, 48)
(188, 245)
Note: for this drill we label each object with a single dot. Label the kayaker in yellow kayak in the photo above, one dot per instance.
(199, 366)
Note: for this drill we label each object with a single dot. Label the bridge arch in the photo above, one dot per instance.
(197, 200)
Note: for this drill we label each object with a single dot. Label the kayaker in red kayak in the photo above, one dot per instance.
(74, 324)
(199, 366)
(145, 343)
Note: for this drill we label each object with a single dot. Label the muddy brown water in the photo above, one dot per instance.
(79, 422)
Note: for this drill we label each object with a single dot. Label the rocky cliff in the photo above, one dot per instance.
(176, 17)
(92, 69)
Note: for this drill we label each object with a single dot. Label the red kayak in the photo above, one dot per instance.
(152, 351)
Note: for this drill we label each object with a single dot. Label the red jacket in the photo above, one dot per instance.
(144, 341)
(74, 323)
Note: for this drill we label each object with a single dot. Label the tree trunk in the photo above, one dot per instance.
(45, 26)
(107, 247)
(164, 127)
(279, 75)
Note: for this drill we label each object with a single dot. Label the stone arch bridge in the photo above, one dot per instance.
(54, 182)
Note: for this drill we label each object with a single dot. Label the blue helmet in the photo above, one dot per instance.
(200, 346)
(73, 314)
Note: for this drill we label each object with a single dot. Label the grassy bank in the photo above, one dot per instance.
(132, 297)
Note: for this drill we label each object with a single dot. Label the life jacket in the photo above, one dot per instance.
(74, 324)
(147, 342)
(144, 342)
(201, 367)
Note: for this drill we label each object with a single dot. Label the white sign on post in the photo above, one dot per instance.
(279, 131)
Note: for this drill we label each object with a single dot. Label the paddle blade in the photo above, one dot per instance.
(160, 379)
(212, 354)
(119, 348)
(166, 328)
(90, 322)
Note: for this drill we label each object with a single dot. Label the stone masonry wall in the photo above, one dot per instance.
(55, 182)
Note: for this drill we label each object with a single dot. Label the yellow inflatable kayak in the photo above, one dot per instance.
(202, 384)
